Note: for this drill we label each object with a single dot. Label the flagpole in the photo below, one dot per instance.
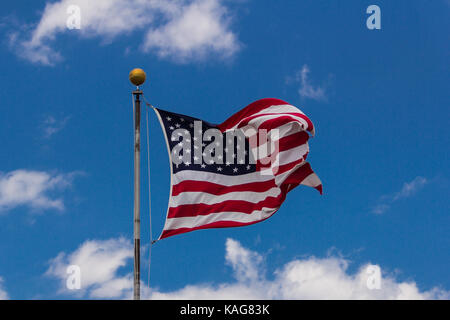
(137, 77)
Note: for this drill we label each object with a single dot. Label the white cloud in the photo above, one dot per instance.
(3, 293)
(408, 190)
(245, 263)
(306, 89)
(33, 189)
(179, 29)
(307, 278)
(196, 30)
(99, 262)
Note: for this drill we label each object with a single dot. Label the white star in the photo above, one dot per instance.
(168, 118)
(187, 164)
(177, 125)
(171, 128)
(191, 125)
(211, 161)
(181, 119)
(235, 170)
(203, 165)
(219, 169)
(248, 167)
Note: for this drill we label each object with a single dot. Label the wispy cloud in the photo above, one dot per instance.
(35, 189)
(308, 278)
(3, 294)
(306, 89)
(181, 30)
(51, 125)
(408, 190)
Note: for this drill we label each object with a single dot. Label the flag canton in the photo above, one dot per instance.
(194, 146)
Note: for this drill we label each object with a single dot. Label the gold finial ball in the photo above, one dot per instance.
(137, 76)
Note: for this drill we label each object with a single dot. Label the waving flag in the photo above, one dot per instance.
(236, 173)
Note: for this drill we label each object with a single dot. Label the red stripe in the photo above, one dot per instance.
(285, 143)
(319, 188)
(201, 209)
(286, 167)
(218, 189)
(217, 224)
(293, 140)
(245, 122)
(264, 162)
(282, 119)
(300, 174)
(249, 110)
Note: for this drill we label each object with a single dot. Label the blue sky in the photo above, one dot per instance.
(378, 98)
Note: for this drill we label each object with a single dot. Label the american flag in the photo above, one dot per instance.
(235, 180)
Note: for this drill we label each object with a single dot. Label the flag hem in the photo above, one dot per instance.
(171, 169)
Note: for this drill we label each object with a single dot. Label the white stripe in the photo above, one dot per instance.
(256, 122)
(207, 198)
(293, 154)
(278, 109)
(279, 179)
(312, 181)
(192, 222)
(221, 179)
(282, 108)
(287, 156)
(283, 131)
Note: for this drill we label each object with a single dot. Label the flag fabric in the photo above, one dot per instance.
(236, 173)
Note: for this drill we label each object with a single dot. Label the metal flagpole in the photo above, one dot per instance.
(137, 77)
